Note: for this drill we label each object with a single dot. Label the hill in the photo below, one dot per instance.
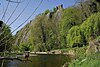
(61, 28)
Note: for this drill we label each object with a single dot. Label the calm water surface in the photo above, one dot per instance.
(39, 61)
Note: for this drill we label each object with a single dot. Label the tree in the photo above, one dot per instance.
(54, 9)
(7, 38)
(70, 17)
(25, 46)
(47, 11)
(75, 37)
(45, 34)
(87, 31)
(91, 27)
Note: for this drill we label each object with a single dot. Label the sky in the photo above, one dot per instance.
(46, 4)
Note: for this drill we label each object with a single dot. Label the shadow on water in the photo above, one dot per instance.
(39, 61)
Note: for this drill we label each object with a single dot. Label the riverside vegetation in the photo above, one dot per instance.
(74, 30)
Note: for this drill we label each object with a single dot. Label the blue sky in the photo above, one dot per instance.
(47, 4)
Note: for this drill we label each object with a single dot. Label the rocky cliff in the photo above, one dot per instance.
(26, 32)
(61, 28)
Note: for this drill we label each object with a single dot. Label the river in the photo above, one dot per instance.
(46, 60)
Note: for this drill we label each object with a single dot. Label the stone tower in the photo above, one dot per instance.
(60, 7)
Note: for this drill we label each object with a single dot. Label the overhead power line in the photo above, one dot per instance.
(2, 19)
(23, 30)
(5, 11)
(20, 13)
(14, 1)
(23, 22)
(17, 16)
(4, 26)
(13, 12)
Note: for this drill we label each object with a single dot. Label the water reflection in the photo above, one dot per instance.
(39, 61)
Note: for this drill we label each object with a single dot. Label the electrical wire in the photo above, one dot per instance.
(23, 22)
(13, 12)
(10, 16)
(5, 11)
(14, 1)
(21, 25)
(2, 19)
(23, 30)
(18, 16)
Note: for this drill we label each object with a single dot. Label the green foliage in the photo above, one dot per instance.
(15, 47)
(47, 11)
(74, 37)
(71, 17)
(25, 46)
(91, 61)
(97, 2)
(91, 27)
(8, 36)
(54, 9)
(75, 27)
(98, 38)
(80, 52)
(45, 34)
(78, 36)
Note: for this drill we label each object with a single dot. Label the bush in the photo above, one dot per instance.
(89, 30)
(90, 61)
(25, 46)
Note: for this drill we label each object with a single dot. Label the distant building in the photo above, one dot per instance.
(57, 13)
(60, 7)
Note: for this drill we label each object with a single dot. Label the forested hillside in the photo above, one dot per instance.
(61, 28)
(73, 32)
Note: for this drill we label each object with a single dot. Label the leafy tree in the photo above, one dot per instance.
(70, 27)
(47, 11)
(71, 17)
(78, 36)
(25, 46)
(91, 27)
(54, 9)
(44, 34)
(6, 39)
(75, 37)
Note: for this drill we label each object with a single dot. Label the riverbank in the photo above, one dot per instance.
(89, 61)
(86, 56)
(71, 52)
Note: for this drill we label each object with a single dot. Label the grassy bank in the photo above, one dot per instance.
(81, 58)
(89, 61)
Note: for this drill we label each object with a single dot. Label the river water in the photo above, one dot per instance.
(50, 60)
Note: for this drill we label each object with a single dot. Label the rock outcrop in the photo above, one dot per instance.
(94, 46)
(25, 33)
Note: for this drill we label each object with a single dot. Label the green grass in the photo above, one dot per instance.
(90, 61)
(7, 54)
